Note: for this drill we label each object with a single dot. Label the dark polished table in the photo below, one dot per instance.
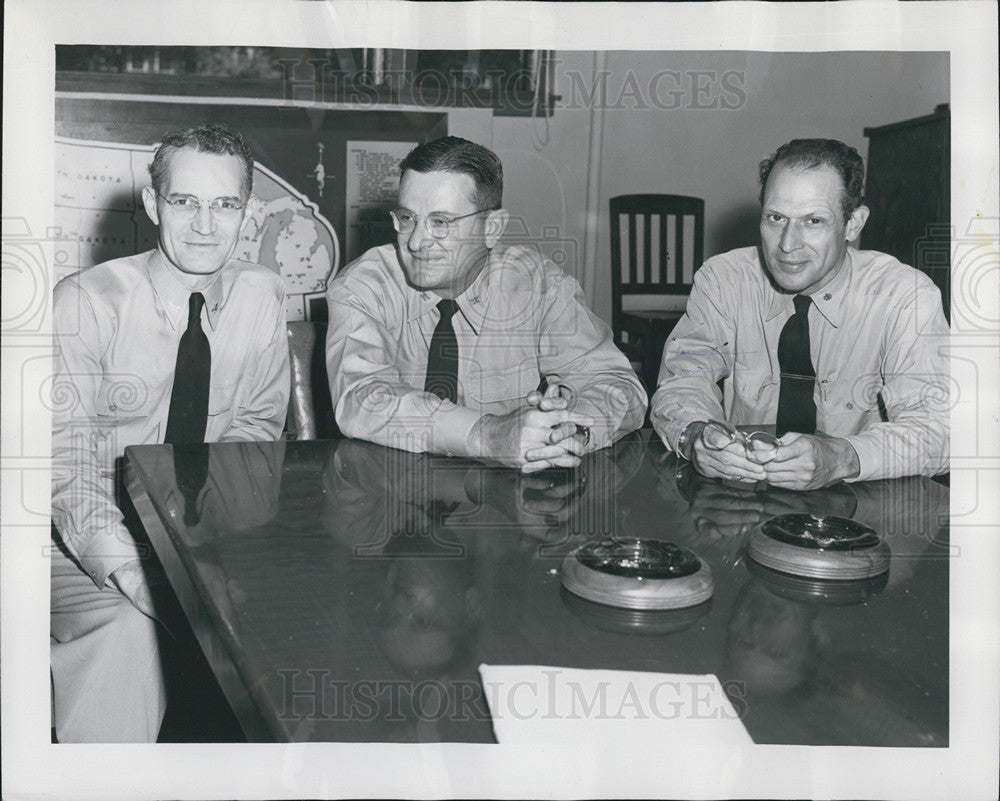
(343, 591)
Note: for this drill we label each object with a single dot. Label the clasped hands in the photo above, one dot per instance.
(793, 461)
(545, 433)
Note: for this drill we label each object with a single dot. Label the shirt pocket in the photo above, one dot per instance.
(848, 405)
(122, 411)
(755, 393)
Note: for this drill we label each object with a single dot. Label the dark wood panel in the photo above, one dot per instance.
(908, 190)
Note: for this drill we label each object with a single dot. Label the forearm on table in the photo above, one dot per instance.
(617, 406)
(679, 402)
(695, 358)
(916, 394)
(901, 448)
(402, 417)
(579, 347)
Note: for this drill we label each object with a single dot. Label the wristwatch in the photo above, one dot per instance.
(688, 437)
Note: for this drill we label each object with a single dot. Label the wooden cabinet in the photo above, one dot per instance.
(908, 191)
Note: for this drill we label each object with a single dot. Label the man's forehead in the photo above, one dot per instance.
(436, 188)
(791, 183)
(191, 164)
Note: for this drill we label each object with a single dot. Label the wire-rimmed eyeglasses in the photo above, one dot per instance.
(719, 434)
(438, 224)
(189, 205)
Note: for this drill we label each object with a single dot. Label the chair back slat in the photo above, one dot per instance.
(630, 277)
(647, 274)
(678, 254)
(664, 272)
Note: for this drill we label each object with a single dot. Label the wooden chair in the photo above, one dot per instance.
(310, 409)
(662, 246)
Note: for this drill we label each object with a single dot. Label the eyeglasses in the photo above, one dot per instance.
(189, 205)
(437, 223)
(719, 434)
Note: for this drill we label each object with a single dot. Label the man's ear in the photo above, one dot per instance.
(248, 211)
(856, 222)
(149, 203)
(496, 223)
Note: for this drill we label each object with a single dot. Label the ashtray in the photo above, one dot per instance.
(637, 574)
(649, 622)
(819, 592)
(819, 547)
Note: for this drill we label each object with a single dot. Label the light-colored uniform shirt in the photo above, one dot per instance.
(522, 319)
(877, 330)
(117, 327)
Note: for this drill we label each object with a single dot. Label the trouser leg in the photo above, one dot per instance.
(107, 679)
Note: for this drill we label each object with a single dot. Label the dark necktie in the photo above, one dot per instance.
(188, 413)
(796, 407)
(442, 360)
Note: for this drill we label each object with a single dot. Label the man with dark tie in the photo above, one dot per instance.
(446, 341)
(844, 351)
(181, 344)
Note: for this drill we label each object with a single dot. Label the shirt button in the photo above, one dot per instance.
(850, 405)
(827, 296)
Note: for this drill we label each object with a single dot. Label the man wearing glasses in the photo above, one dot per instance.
(181, 344)
(448, 342)
(843, 351)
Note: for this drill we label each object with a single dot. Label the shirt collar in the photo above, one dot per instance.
(829, 301)
(173, 295)
(472, 303)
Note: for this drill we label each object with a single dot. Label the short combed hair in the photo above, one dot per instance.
(453, 154)
(208, 137)
(809, 154)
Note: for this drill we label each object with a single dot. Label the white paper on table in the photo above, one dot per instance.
(537, 704)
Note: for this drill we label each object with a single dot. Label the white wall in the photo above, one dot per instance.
(659, 136)
(545, 168)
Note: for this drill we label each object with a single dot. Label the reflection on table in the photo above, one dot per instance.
(343, 591)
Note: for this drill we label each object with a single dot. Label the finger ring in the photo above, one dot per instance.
(738, 476)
